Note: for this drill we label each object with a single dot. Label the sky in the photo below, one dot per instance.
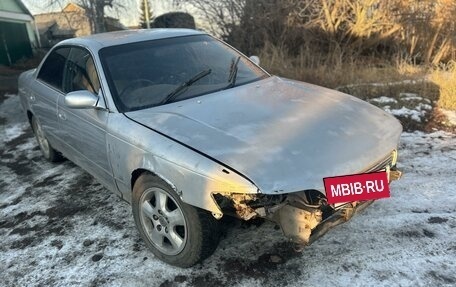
(128, 16)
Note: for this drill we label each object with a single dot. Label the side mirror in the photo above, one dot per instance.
(81, 100)
(255, 59)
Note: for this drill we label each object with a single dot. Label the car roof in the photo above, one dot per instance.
(99, 41)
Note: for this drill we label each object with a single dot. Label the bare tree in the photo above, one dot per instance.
(428, 29)
(419, 30)
(220, 16)
(96, 12)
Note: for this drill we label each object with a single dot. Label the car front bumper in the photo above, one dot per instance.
(304, 225)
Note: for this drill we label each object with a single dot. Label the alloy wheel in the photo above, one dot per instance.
(163, 221)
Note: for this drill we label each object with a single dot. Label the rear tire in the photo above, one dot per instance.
(177, 233)
(47, 150)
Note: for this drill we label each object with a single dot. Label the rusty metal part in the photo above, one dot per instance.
(342, 215)
(304, 226)
(240, 204)
(269, 212)
(395, 174)
(236, 204)
(248, 206)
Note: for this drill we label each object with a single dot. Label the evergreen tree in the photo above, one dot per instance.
(142, 18)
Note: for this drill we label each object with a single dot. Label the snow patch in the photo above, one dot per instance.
(410, 97)
(406, 112)
(416, 113)
(13, 131)
(423, 107)
(8, 95)
(383, 100)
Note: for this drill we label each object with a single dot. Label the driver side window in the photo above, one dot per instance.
(80, 72)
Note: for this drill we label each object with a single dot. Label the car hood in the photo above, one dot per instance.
(283, 135)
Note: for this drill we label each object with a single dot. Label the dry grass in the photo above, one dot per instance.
(314, 67)
(407, 69)
(445, 77)
(364, 78)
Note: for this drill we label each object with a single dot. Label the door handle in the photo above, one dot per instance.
(62, 116)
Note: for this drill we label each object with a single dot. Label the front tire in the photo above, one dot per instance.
(177, 233)
(47, 150)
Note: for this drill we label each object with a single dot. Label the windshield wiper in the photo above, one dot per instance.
(171, 96)
(233, 73)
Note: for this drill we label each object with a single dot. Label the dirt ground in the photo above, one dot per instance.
(8, 81)
(59, 227)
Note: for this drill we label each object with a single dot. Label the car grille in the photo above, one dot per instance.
(387, 161)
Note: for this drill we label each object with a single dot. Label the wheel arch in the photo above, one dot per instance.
(137, 173)
(208, 204)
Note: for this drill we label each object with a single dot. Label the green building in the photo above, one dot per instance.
(18, 34)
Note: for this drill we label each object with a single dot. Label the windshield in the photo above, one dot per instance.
(151, 73)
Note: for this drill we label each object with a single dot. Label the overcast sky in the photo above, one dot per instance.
(128, 16)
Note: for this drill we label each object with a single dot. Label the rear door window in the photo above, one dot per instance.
(51, 71)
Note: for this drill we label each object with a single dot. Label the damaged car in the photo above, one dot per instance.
(187, 130)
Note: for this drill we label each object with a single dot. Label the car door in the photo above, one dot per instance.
(45, 92)
(84, 130)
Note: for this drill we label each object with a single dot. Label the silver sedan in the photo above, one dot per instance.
(187, 130)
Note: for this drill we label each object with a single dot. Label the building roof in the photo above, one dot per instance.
(71, 7)
(23, 7)
(15, 10)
